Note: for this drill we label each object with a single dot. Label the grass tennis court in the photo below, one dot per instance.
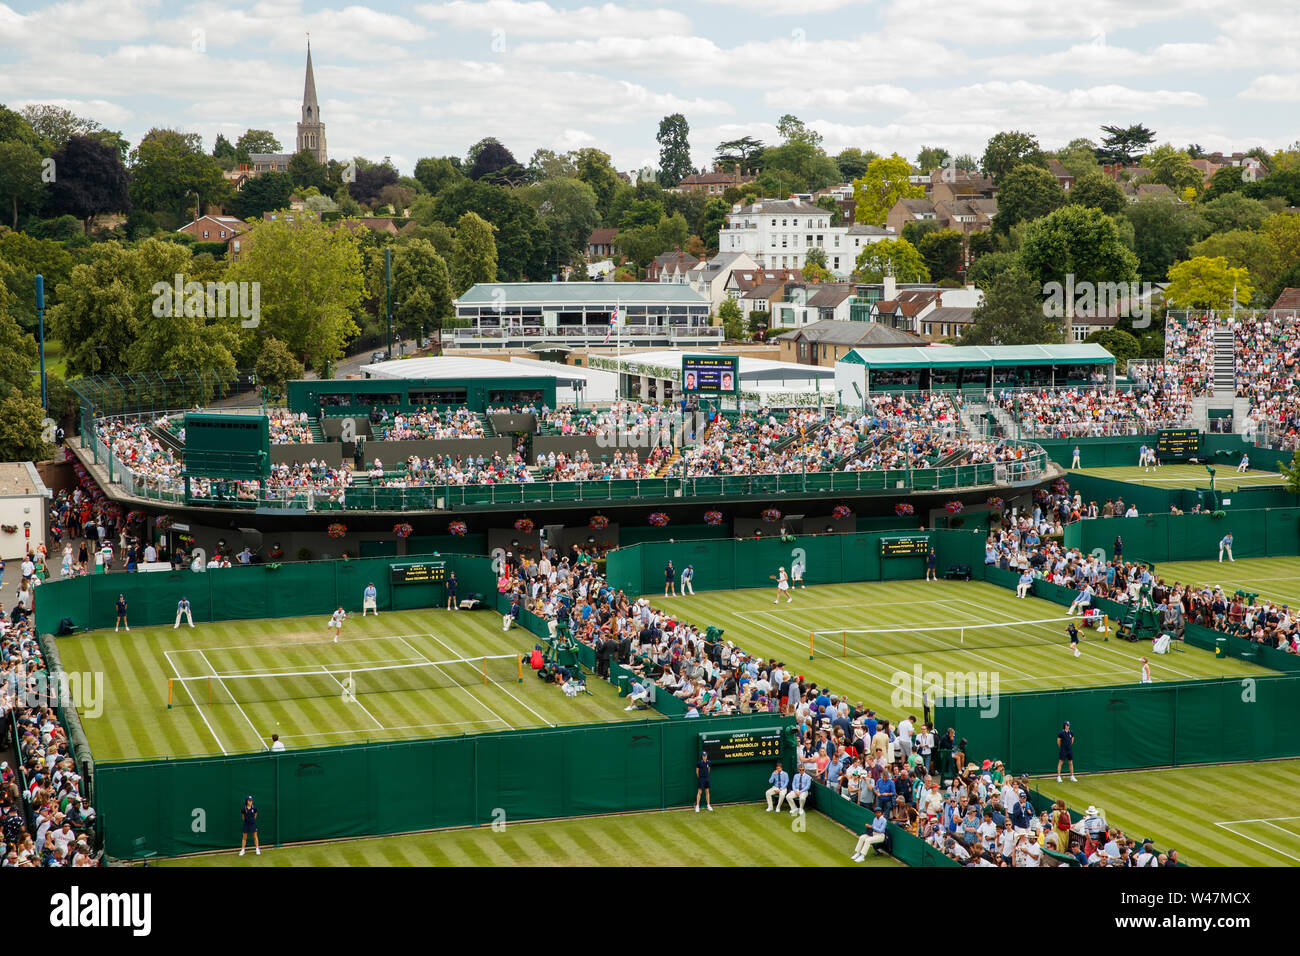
(1027, 657)
(1226, 477)
(1273, 579)
(400, 685)
(737, 835)
(1224, 815)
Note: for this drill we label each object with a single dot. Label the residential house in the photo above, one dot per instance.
(805, 303)
(600, 244)
(713, 183)
(670, 266)
(779, 233)
(1140, 190)
(843, 196)
(711, 276)
(909, 210)
(214, 228)
(1063, 175)
(945, 322)
(375, 223)
(910, 307)
(827, 341)
(1288, 300)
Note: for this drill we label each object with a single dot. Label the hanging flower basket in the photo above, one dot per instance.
(337, 530)
(840, 512)
(954, 507)
(524, 524)
(1061, 487)
(402, 530)
(135, 517)
(163, 522)
(903, 509)
(9, 528)
(771, 515)
(598, 523)
(713, 517)
(658, 519)
(996, 504)
(458, 528)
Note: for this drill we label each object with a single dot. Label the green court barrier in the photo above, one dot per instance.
(1136, 726)
(192, 805)
(728, 564)
(904, 846)
(291, 589)
(1256, 533)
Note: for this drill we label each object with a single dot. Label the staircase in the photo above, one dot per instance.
(973, 420)
(317, 434)
(671, 460)
(1225, 361)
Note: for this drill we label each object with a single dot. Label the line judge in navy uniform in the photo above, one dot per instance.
(451, 592)
(702, 782)
(1065, 741)
(249, 815)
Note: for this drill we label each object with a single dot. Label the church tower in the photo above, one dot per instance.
(311, 131)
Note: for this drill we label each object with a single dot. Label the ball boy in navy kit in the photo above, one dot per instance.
(249, 815)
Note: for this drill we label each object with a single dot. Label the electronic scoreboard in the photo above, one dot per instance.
(419, 572)
(763, 743)
(914, 546)
(1178, 443)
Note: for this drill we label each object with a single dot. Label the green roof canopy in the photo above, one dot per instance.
(975, 356)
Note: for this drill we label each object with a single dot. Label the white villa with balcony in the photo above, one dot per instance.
(778, 234)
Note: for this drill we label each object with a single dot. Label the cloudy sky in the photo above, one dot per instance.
(413, 79)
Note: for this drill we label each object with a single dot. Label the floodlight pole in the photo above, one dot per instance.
(388, 297)
(40, 317)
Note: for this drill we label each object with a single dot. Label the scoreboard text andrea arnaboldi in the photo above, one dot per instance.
(419, 572)
(763, 743)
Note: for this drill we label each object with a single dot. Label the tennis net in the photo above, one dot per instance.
(345, 682)
(923, 638)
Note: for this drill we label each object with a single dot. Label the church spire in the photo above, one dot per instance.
(310, 108)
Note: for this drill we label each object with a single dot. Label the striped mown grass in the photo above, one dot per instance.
(1273, 579)
(1223, 815)
(737, 835)
(136, 722)
(1176, 477)
(1036, 657)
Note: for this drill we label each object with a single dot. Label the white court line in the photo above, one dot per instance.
(1099, 645)
(356, 698)
(461, 686)
(167, 654)
(812, 609)
(456, 653)
(1267, 846)
(741, 615)
(274, 669)
(340, 733)
(233, 699)
(1290, 833)
(350, 640)
(1260, 820)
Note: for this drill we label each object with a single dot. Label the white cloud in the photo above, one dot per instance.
(1274, 88)
(541, 19)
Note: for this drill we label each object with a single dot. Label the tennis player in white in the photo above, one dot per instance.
(1146, 671)
(336, 622)
(783, 587)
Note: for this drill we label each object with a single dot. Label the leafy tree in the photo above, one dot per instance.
(397, 197)
(265, 193)
(595, 169)
(21, 429)
(256, 141)
(1202, 283)
(276, 365)
(1228, 179)
(18, 345)
(1123, 345)
(1163, 231)
(548, 164)
(436, 172)
(732, 319)
(225, 153)
(1284, 183)
(311, 286)
(799, 164)
(14, 127)
(56, 124)
(893, 256)
(1026, 193)
(1174, 168)
(371, 178)
(853, 162)
(1291, 473)
(306, 171)
(989, 266)
(474, 257)
(1080, 157)
(674, 149)
(1122, 143)
(566, 208)
(711, 222)
(642, 243)
(1012, 313)
(743, 153)
(495, 164)
(421, 287)
(1254, 251)
(90, 180)
(520, 238)
(1073, 246)
(1005, 151)
(917, 229)
(20, 179)
(931, 158)
(1283, 229)
(1096, 190)
(169, 168)
(883, 184)
(942, 252)
(27, 256)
